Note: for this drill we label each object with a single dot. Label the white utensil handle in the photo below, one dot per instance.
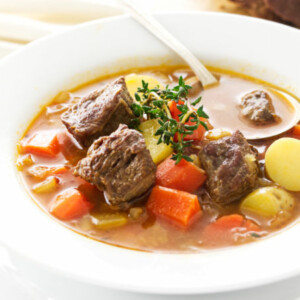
(161, 33)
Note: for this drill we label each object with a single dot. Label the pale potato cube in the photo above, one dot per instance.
(157, 152)
(136, 212)
(109, 220)
(196, 160)
(134, 81)
(24, 161)
(268, 202)
(217, 133)
(282, 163)
(47, 186)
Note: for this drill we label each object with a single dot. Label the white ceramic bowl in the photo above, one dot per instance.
(32, 76)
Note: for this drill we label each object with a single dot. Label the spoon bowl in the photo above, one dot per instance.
(226, 111)
(279, 128)
(295, 117)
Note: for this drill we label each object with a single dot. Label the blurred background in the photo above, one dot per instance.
(22, 21)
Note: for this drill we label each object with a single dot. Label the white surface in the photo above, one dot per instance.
(38, 79)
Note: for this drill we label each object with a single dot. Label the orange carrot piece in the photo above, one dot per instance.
(229, 222)
(251, 226)
(222, 231)
(173, 205)
(296, 130)
(70, 204)
(58, 170)
(175, 112)
(198, 134)
(42, 143)
(184, 176)
(41, 171)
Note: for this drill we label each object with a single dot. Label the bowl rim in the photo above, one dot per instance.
(128, 16)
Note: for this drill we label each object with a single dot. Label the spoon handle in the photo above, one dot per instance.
(162, 34)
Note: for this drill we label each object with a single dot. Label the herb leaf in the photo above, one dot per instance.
(154, 104)
(256, 235)
(195, 102)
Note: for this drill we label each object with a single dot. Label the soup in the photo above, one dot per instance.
(143, 167)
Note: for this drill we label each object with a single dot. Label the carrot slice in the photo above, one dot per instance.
(296, 130)
(42, 143)
(229, 222)
(175, 112)
(41, 171)
(58, 170)
(185, 176)
(70, 204)
(198, 133)
(223, 230)
(173, 205)
(251, 226)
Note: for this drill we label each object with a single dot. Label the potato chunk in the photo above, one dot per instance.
(134, 81)
(109, 220)
(283, 163)
(47, 186)
(24, 161)
(216, 134)
(157, 152)
(269, 202)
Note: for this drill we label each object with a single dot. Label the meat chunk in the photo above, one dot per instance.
(100, 113)
(120, 165)
(258, 108)
(231, 166)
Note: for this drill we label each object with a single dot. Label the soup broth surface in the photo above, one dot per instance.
(149, 233)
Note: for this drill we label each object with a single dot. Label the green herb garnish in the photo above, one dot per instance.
(256, 235)
(153, 104)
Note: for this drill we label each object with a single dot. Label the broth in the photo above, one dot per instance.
(149, 233)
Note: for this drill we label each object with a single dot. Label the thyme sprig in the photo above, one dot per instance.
(153, 104)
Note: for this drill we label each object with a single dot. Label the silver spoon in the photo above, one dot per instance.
(201, 72)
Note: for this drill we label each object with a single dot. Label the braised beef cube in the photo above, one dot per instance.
(257, 107)
(120, 165)
(100, 113)
(231, 166)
